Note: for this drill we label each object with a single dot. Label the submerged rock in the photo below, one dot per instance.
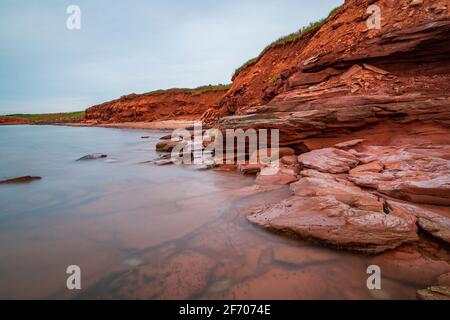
(163, 162)
(94, 156)
(409, 264)
(219, 286)
(279, 283)
(185, 275)
(302, 256)
(24, 179)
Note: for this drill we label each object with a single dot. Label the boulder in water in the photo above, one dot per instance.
(93, 156)
(166, 137)
(24, 179)
(167, 145)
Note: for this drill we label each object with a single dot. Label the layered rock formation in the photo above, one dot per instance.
(365, 114)
(14, 121)
(260, 82)
(356, 199)
(173, 104)
(373, 108)
(344, 77)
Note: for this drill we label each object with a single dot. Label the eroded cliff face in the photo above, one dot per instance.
(367, 112)
(345, 80)
(261, 82)
(14, 121)
(173, 104)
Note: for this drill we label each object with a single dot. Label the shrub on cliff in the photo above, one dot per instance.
(293, 37)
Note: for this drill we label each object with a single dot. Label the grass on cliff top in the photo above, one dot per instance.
(49, 116)
(194, 91)
(203, 89)
(290, 38)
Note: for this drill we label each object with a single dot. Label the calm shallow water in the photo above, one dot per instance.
(139, 231)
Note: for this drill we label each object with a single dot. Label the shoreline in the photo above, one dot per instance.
(155, 125)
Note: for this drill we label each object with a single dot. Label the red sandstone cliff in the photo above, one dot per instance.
(372, 107)
(344, 72)
(260, 82)
(179, 104)
(14, 121)
(367, 114)
(343, 78)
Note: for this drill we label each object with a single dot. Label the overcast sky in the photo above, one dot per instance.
(132, 46)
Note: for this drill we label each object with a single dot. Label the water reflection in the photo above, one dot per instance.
(139, 231)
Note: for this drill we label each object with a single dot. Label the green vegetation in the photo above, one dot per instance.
(50, 116)
(203, 89)
(194, 92)
(246, 65)
(293, 37)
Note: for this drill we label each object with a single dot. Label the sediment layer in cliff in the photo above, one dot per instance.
(383, 95)
(343, 78)
(172, 104)
(14, 121)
